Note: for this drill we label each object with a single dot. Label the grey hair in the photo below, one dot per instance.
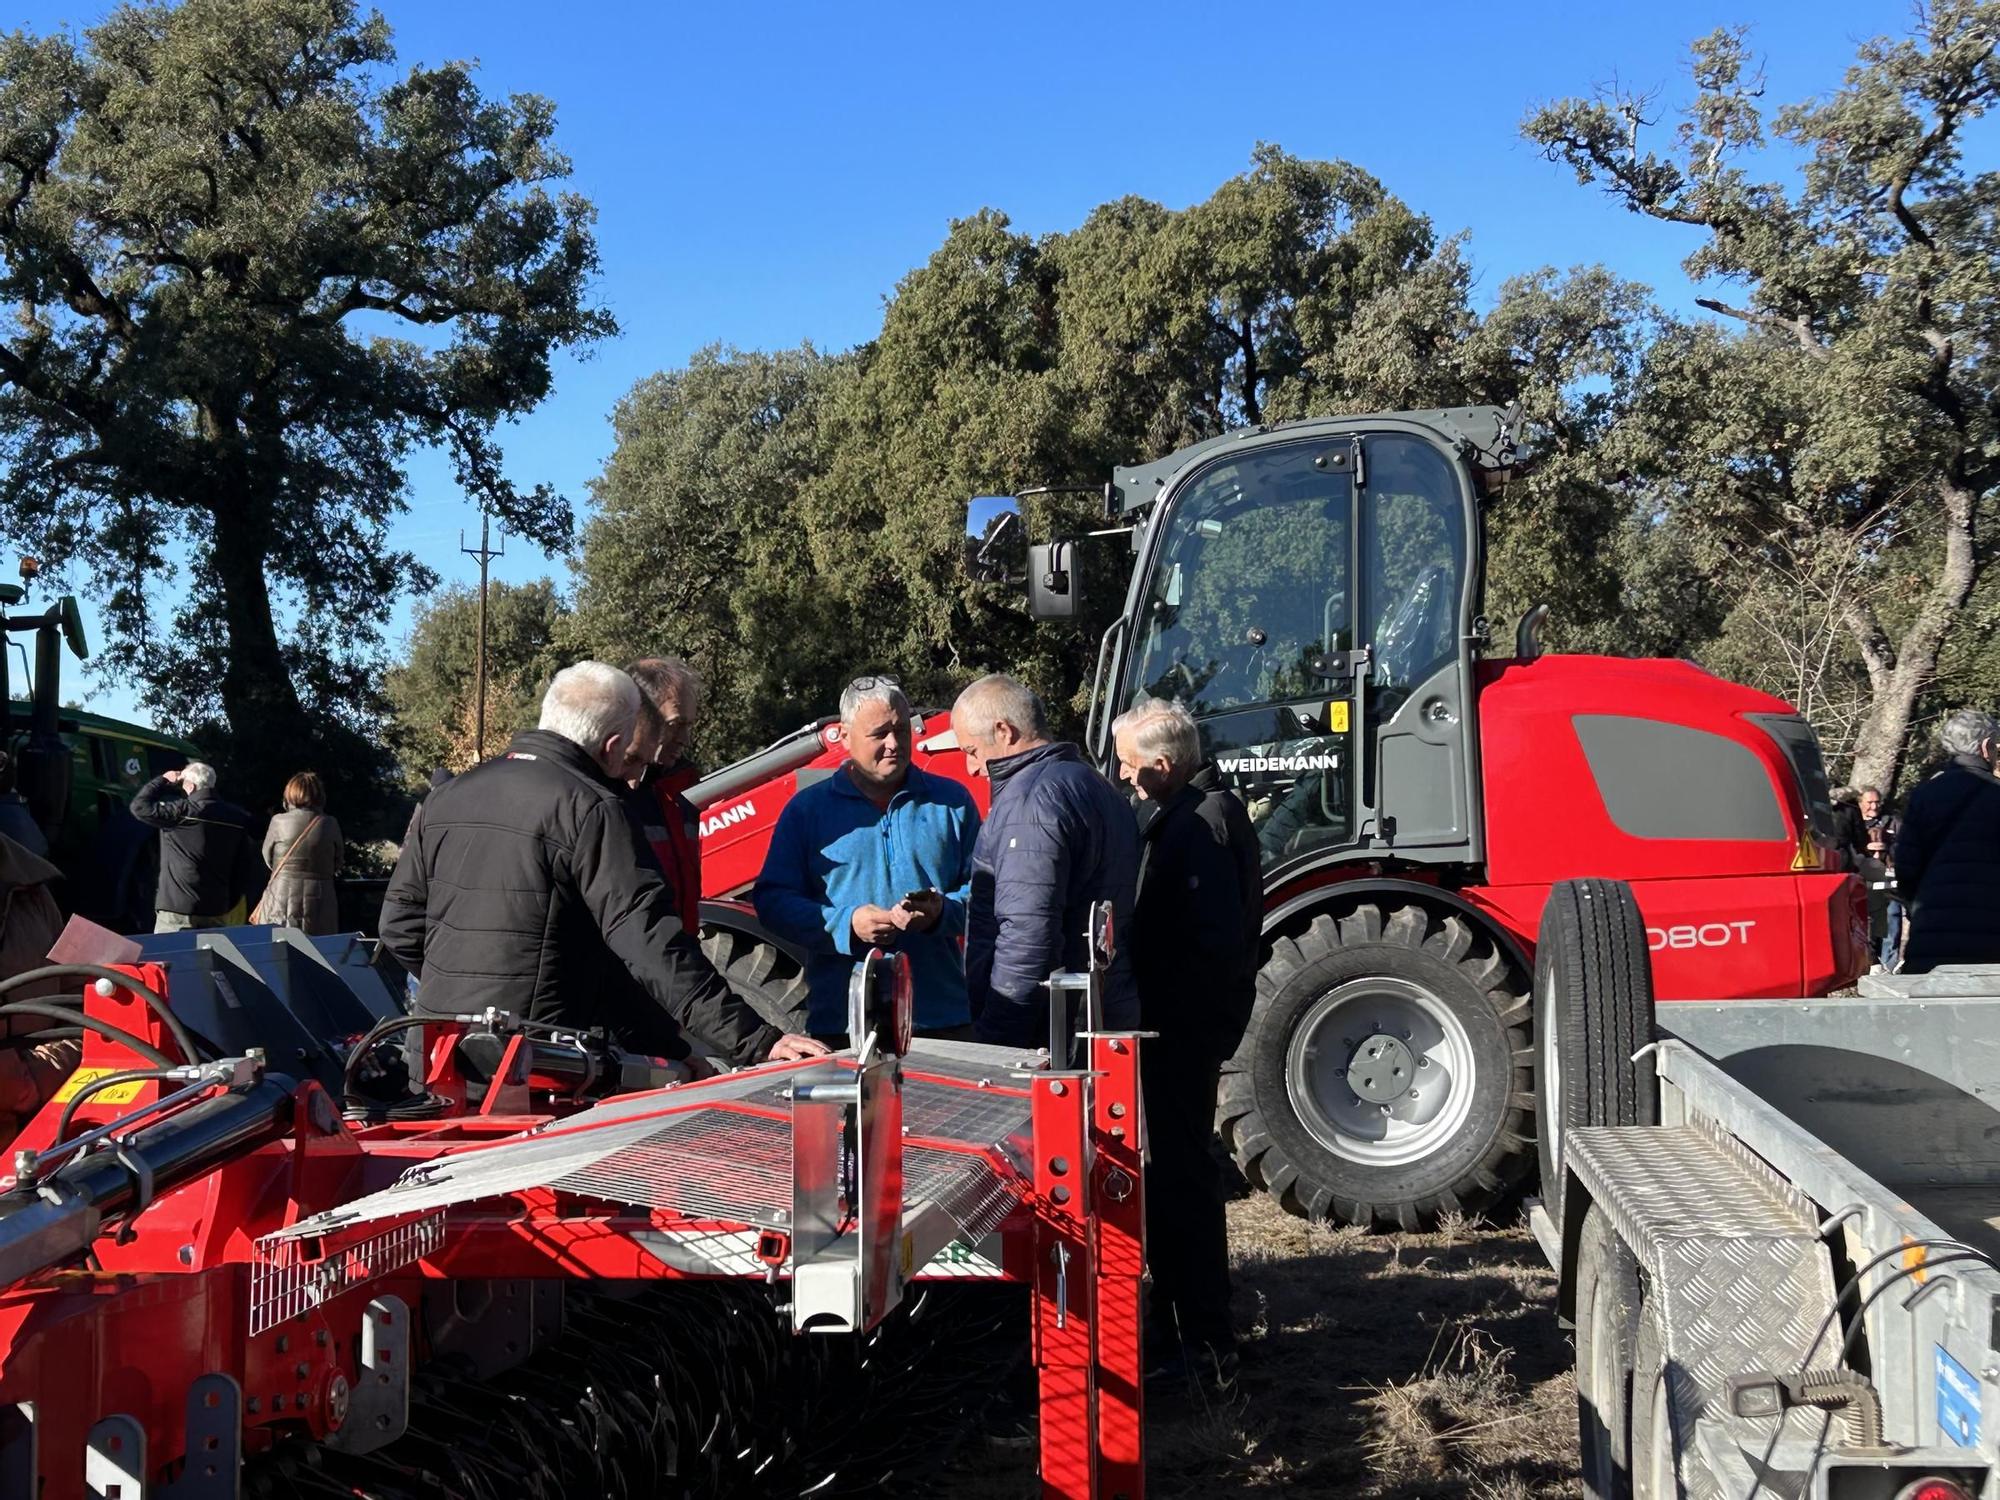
(1161, 729)
(661, 678)
(590, 702)
(1000, 699)
(1965, 731)
(878, 690)
(198, 776)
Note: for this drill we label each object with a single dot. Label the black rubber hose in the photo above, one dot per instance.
(71, 1017)
(96, 1085)
(376, 1034)
(153, 998)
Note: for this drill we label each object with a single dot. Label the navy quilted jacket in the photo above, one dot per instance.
(1058, 838)
(1948, 867)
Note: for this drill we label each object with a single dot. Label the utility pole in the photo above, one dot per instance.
(485, 554)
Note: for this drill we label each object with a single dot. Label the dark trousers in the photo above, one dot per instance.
(1187, 1233)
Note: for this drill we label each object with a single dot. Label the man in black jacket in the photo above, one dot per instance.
(1948, 852)
(206, 852)
(1195, 937)
(528, 888)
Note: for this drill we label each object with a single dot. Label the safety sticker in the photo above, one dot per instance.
(1957, 1401)
(118, 1093)
(1336, 717)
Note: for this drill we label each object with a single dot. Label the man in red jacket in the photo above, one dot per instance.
(672, 688)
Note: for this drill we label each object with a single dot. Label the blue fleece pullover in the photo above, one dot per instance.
(834, 851)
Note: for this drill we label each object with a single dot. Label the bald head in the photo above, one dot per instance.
(996, 717)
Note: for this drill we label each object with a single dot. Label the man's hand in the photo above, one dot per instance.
(922, 912)
(876, 925)
(698, 1067)
(792, 1047)
(171, 777)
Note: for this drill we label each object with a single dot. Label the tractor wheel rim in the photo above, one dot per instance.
(1348, 1030)
(1549, 1088)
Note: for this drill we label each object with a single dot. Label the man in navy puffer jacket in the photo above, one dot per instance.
(1058, 837)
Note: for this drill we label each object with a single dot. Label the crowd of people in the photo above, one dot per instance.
(561, 880)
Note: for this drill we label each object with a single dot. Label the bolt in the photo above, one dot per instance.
(278, 1402)
(1423, 1062)
(1385, 1109)
(1118, 1047)
(1056, 1087)
(284, 1343)
(25, 1163)
(253, 1406)
(1117, 1111)
(185, 1255)
(303, 1369)
(1409, 1036)
(105, 989)
(321, 1338)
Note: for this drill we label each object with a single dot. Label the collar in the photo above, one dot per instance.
(1153, 816)
(546, 744)
(1977, 766)
(844, 785)
(998, 771)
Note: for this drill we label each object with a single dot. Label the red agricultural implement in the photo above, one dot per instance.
(276, 1238)
(1313, 593)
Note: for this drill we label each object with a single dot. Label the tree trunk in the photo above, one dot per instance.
(1879, 745)
(270, 737)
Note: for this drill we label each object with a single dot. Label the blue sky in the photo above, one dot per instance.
(765, 174)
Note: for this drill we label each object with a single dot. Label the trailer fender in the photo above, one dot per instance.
(1737, 1282)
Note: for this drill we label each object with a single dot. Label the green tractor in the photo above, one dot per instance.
(68, 776)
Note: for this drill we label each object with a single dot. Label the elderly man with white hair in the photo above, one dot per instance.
(1195, 939)
(528, 888)
(206, 850)
(1948, 852)
(877, 855)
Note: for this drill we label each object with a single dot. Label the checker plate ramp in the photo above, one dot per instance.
(1743, 1283)
(722, 1149)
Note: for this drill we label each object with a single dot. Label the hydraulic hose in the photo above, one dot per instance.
(72, 1017)
(154, 1000)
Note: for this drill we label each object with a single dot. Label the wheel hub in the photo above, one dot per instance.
(1382, 1069)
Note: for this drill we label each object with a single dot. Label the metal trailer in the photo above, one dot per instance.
(1777, 1225)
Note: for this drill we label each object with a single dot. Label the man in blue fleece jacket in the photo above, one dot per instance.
(878, 855)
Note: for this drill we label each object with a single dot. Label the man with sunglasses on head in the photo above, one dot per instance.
(877, 855)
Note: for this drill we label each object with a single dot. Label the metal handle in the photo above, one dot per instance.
(1062, 1285)
(1098, 688)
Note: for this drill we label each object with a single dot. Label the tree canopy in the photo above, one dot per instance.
(255, 268)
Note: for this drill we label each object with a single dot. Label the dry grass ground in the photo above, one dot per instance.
(1385, 1366)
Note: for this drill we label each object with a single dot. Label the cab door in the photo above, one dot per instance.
(1419, 546)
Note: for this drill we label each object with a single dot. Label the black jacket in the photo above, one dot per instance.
(528, 887)
(1197, 926)
(1058, 838)
(207, 857)
(1948, 867)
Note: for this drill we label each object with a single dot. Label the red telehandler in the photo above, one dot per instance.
(1313, 592)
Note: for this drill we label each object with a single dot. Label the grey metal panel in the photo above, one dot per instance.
(1959, 982)
(1668, 781)
(1874, 1218)
(1908, 1091)
(1738, 1274)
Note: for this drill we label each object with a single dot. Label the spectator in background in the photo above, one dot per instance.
(206, 853)
(1947, 856)
(30, 922)
(877, 855)
(672, 826)
(302, 849)
(1196, 933)
(1875, 860)
(1057, 838)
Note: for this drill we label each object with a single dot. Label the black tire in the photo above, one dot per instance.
(1473, 1145)
(762, 973)
(1607, 1332)
(1593, 1010)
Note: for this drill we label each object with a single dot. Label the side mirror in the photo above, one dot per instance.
(1054, 590)
(993, 534)
(72, 628)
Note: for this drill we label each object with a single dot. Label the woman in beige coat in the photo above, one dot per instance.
(303, 849)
